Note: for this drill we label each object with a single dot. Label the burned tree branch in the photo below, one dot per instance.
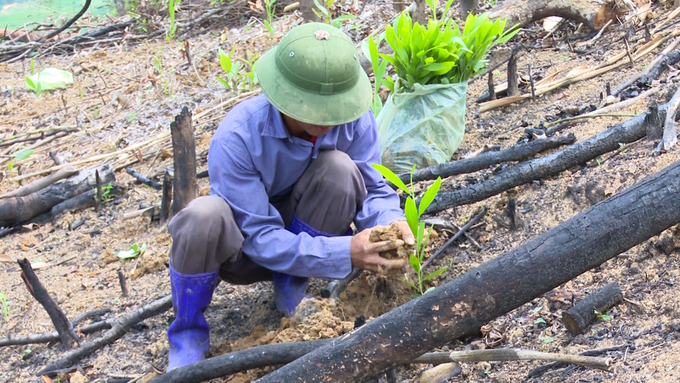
(38, 291)
(82, 201)
(468, 165)
(146, 181)
(582, 314)
(660, 67)
(21, 209)
(525, 172)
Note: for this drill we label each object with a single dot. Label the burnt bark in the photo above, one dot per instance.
(184, 185)
(484, 160)
(582, 314)
(17, 210)
(460, 307)
(81, 201)
(528, 171)
(144, 180)
(61, 323)
(671, 58)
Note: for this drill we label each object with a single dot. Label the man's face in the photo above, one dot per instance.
(315, 130)
(302, 129)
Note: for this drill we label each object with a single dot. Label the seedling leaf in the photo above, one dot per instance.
(387, 173)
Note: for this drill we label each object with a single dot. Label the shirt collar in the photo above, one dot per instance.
(274, 126)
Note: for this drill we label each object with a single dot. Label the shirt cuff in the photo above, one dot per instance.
(339, 260)
(388, 217)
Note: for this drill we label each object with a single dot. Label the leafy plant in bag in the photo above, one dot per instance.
(440, 53)
(423, 120)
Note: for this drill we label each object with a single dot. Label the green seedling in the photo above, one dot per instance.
(270, 8)
(413, 213)
(5, 307)
(325, 13)
(107, 196)
(158, 64)
(604, 316)
(22, 155)
(539, 320)
(546, 339)
(229, 67)
(379, 68)
(135, 251)
(170, 34)
(35, 86)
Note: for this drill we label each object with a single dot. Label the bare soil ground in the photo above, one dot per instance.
(79, 267)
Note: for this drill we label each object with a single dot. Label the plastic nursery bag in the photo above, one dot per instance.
(423, 127)
(49, 79)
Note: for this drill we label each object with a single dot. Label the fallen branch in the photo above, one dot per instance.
(461, 306)
(68, 23)
(515, 354)
(460, 232)
(54, 336)
(583, 313)
(609, 108)
(38, 291)
(82, 201)
(256, 357)
(511, 354)
(24, 137)
(468, 165)
(41, 183)
(594, 352)
(660, 67)
(17, 210)
(552, 164)
(146, 181)
(119, 327)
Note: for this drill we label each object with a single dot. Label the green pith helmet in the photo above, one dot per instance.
(313, 75)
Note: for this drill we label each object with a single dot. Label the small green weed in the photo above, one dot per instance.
(22, 155)
(604, 316)
(135, 251)
(325, 13)
(5, 307)
(270, 9)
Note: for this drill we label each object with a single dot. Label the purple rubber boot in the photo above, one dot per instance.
(189, 333)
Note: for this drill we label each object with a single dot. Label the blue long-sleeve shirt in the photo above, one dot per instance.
(253, 159)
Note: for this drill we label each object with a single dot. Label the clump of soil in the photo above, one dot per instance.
(313, 319)
(390, 233)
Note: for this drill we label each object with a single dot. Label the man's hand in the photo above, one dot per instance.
(406, 233)
(365, 254)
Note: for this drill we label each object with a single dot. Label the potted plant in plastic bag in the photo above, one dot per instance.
(423, 121)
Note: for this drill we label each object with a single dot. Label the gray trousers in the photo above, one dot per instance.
(206, 238)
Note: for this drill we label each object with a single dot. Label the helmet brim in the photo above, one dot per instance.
(310, 107)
